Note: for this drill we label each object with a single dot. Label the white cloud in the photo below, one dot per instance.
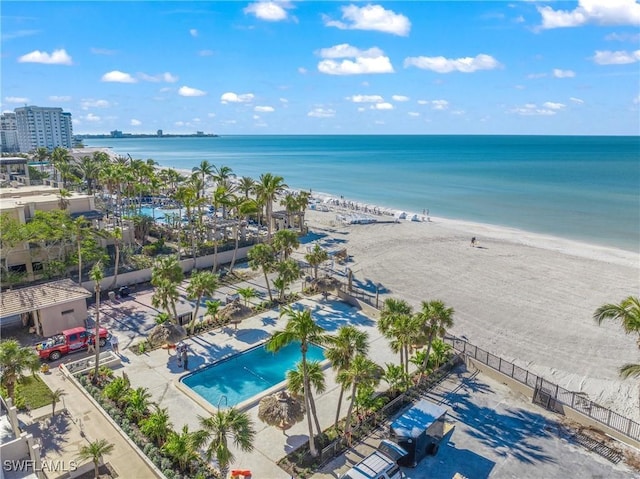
(302, 70)
(256, 117)
(269, 11)
(92, 117)
(361, 108)
(557, 73)
(576, 100)
(344, 50)
(193, 32)
(382, 106)
(284, 100)
(439, 104)
(205, 53)
(135, 122)
(423, 102)
(448, 65)
(58, 57)
(59, 99)
(623, 37)
(536, 75)
(231, 97)
(16, 99)
(399, 98)
(264, 109)
(371, 17)
(188, 91)
(211, 115)
(606, 57)
(553, 106)
(531, 109)
(361, 65)
(520, 87)
(365, 99)
(117, 76)
(322, 113)
(597, 12)
(91, 103)
(413, 113)
(160, 77)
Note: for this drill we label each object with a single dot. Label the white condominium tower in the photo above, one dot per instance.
(8, 133)
(43, 127)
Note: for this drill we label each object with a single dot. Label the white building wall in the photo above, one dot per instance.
(43, 127)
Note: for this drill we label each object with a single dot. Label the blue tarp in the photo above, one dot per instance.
(417, 420)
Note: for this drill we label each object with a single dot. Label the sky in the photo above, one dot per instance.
(332, 67)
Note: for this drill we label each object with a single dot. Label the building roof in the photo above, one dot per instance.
(41, 296)
(417, 419)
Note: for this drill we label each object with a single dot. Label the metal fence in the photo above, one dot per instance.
(549, 394)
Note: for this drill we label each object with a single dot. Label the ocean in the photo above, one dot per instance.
(575, 187)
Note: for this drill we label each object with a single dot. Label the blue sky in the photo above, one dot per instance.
(303, 67)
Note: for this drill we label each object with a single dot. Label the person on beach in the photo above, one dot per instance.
(185, 358)
(115, 344)
(473, 241)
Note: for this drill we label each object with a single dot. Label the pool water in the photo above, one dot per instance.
(158, 214)
(247, 374)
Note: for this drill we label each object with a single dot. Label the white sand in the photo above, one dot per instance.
(525, 297)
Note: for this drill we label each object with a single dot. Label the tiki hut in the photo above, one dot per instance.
(281, 410)
(326, 284)
(166, 333)
(234, 312)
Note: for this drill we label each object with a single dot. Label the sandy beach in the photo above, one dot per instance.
(525, 297)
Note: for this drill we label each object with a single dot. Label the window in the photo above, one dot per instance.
(73, 337)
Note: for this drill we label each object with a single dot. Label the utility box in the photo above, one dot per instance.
(419, 432)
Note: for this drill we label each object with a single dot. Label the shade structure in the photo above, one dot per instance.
(167, 333)
(281, 410)
(235, 312)
(326, 283)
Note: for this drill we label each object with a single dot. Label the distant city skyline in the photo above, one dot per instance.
(238, 68)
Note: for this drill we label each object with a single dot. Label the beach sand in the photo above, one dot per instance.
(525, 297)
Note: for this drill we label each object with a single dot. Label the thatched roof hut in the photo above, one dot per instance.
(166, 333)
(281, 410)
(235, 312)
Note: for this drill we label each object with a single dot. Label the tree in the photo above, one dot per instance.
(12, 234)
(41, 154)
(55, 397)
(284, 242)
(627, 312)
(288, 271)
(396, 324)
(183, 446)
(218, 198)
(396, 378)
(116, 235)
(440, 352)
(202, 283)
(295, 384)
(166, 296)
(246, 185)
(267, 189)
(362, 373)
(95, 451)
(96, 275)
(212, 308)
(346, 345)
(262, 256)
(15, 360)
(63, 198)
(434, 319)
(316, 257)
(224, 426)
(138, 401)
(302, 328)
(117, 390)
(247, 294)
(157, 426)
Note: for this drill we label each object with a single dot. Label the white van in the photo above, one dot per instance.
(380, 464)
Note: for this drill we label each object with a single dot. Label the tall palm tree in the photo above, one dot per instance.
(183, 446)
(95, 451)
(303, 202)
(627, 312)
(316, 257)
(138, 401)
(219, 199)
(204, 170)
(165, 296)
(55, 397)
(223, 426)
(302, 328)
(362, 373)
(267, 189)
(157, 426)
(288, 271)
(90, 171)
(295, 385)
(285, 242)
(15, 360)
(396, 324)
(345, 346)
(202, 283)
(246, 185)
(262, 256)
(247, 294)
(41, 154)
(96, 275)
(167, 267)
(116, 235)
(434, 318)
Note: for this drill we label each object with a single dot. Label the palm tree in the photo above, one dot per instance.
(434, 319)
(15, 360)
(303, 202)
(95, 451)
(627, 312)
(246, 185)
(346, 345)
(96, 275)
(262, 256)
(138, 401)
(247, 294)
(396, 378)
(224, 426)
(205, 170)
(183, 446)
(116, 235)
(55, 397)
(218, 199)
(440, 351)
(41, 154)
(267, 189)
(167, 267)
(315, 258)
(63, 198)
(157, 426)
(117, 390)
(284, 242)
(288, 271)
(212, 308)
(166, 296)
(396, 324)
(362, 373)
(302, 328)
(295, 385)
(202, 283)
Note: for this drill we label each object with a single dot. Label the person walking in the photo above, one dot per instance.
(185, 358)
(115, 343)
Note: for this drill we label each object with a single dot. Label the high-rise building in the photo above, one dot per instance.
(43, 127)
(8, 133)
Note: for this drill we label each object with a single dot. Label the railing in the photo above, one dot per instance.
(546, 392)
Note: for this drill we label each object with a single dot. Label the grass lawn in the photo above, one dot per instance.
(33, 393)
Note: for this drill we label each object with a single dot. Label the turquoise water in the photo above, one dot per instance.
(157, 214)
(582, 188)
(246, 374)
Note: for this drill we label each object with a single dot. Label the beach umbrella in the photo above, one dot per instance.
(235, 312)
(281, 410)
(167, 333)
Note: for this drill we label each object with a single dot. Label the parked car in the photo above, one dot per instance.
(69, 341)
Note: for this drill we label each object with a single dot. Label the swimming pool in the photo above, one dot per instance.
(247, 374)
(157, 213)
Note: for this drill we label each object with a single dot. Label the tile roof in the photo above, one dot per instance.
(41, 296)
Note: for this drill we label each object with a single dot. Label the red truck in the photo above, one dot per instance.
(69, 341)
